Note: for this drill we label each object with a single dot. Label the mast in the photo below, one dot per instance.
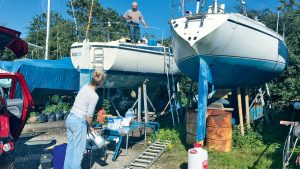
(75, 21)
(172, 9)
(244, 7)
(47, 33)
(215, 6)
(89, 22)
(182, 7)
(197, 6)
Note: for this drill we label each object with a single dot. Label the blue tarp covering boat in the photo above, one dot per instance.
(46, 77)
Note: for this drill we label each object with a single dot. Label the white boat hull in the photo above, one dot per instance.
(238, 50)
(126, 65)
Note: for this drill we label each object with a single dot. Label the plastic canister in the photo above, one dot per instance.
(130, 114)
(197, 157)
(152, 42)
(117, 123)
(110, 123)
(97, 139)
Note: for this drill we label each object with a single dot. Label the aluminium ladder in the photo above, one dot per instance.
(149, 156)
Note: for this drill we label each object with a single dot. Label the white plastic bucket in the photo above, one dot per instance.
(197, 157)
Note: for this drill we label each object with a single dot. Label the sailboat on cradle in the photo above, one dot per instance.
(125, 64)
(239, 51)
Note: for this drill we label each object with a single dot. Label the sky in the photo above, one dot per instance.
(17, 14)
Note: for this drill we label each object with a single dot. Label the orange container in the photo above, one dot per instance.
(219, 131)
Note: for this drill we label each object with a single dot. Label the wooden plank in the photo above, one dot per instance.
(239, 97)
(247, 108)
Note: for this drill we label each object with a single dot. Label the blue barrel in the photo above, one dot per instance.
(152, 42)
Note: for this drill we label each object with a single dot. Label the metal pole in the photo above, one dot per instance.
(145, 110)
(151, 104)
(172, 9)
(162, 37)
(182, 7)
(174, 91)
(277, 21)
(145, 102)
(169, 93)
(197, 6)
(75, 21)
(139, 104)
(48, 30)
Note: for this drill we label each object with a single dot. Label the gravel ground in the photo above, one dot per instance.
(40, 138)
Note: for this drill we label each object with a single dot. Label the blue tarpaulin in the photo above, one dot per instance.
(46, 77)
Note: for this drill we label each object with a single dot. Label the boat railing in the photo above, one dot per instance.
(108, 35)
(257, 23)
(159, 49)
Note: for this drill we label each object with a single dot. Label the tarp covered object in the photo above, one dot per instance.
(46, 77)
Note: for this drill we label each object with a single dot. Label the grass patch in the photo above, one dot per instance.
(260, 148)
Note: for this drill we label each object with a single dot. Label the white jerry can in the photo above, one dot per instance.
(197, 157)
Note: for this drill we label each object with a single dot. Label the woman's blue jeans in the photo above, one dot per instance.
(77, 132)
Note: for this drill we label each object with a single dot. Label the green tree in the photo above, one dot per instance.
(286, 87)
(61, 36)
(106, 24)
(7, 54)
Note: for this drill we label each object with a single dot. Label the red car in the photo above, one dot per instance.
(15, 99)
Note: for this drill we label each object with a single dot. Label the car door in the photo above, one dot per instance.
(18, 99)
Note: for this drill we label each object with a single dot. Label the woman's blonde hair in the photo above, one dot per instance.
(98, 77)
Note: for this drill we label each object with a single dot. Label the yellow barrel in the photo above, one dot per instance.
(219, 131)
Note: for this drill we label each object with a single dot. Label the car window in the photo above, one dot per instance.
(9, 91)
